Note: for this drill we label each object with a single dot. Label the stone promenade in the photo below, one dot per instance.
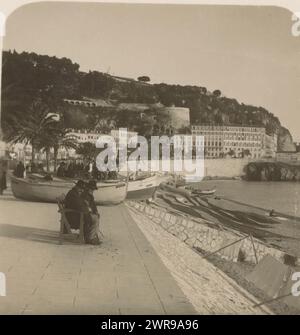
(122, 276)
(137, 270)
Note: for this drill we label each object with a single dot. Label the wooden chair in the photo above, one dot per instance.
(65, 225)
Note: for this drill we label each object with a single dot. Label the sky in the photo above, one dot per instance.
(249, 53)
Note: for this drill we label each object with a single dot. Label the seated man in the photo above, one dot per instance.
(74, 200)
(91, 230)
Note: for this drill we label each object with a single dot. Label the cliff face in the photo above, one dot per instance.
(267, 171)
(285, 140)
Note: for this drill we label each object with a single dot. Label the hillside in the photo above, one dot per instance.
(27, 76)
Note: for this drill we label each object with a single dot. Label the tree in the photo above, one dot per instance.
(59, 139)
(35, 128)
(217, 93)
(87, 150)
(144, 79)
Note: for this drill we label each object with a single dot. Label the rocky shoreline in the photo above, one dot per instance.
(272, 171)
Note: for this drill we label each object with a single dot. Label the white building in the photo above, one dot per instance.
(236, 141)
(82, 136)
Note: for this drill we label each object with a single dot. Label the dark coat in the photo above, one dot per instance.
(74, 201)
(2, 177)
(3, 185)
(90, 200)
(61, 171)
(19, 170)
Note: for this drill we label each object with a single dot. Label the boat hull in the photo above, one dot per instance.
(143, 189)
(110, 194)
(142, 194)
(209, 192)
(176, 190)
(37, 191)
(107, 194)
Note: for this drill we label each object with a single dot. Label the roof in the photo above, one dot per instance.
(226, 125)
(89, 102)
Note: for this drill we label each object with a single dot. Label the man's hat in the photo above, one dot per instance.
(92, 185)
(80, 184)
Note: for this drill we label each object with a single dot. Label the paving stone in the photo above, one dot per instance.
(48, 278)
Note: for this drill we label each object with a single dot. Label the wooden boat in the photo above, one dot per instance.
(48, 191)
(204, 192)
(143, 189)
(110, 193)
(171, 187)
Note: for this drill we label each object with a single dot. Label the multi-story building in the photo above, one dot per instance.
(88, 102)
(234, 141)
(82, 136)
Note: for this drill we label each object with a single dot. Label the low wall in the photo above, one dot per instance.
(221, 167)
(197, 234)
(230, 167)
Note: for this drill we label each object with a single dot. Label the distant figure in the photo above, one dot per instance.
(40, 168)
(90, 167)
(95, 171)
(61, 170)
(3, 169)
(19, 170)
(92, 232)
(112, 175)
(272, 213)
(33, 168)
(70, 173)
(48, 177)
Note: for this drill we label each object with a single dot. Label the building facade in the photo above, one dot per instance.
(82, 136)
(233, 141)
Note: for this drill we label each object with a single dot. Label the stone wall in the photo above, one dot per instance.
(221, 167)
(225, 167)
(199, 235)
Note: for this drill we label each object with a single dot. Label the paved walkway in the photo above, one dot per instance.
(122, 276)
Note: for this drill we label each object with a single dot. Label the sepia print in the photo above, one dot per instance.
(150, 160)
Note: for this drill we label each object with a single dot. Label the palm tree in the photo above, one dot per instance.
(61, 140)
(56, 138)
(87, 150)
(35, 128)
